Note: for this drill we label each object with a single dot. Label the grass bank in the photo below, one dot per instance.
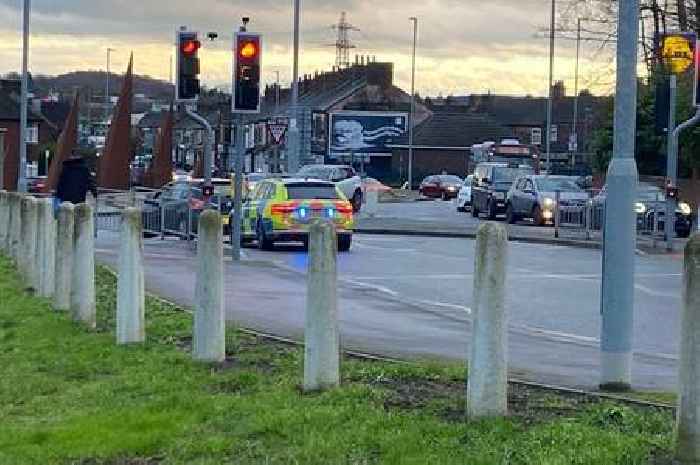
(70, 396)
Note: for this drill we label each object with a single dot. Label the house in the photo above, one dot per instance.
(442, 143)
(38, 134)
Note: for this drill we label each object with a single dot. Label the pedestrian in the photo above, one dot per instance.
(75, 182)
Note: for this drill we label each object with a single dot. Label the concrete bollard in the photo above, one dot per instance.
(83, 280)
(487, 394)
(688, 431)
(209, 344)
(4, 220)
(15, 226)
(27, 254)
(131, 301)
(321, 334)
(64, 257)
(46, 248)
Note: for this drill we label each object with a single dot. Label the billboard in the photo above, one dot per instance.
(364, 132)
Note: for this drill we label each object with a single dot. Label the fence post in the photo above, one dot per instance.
(161, 210)
(321, 334)
(488, 378)
(209, 343)
(557, 213)
(588, 212)
(190, 239)
(83, 282)
(16, 231)
(28, 236)
(4, 220)
(130, 282)
(64, 257)
(46, 248)
(688, 440)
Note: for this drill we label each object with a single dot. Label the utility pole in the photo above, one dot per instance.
(575, 133)
(551, 78)
(293, 139)
(22, 175)
(413, 103)
(617, 293)
(277, 93)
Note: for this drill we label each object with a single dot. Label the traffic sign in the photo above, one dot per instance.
(278, 129)
(678, 51)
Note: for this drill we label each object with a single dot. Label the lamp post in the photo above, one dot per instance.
(107, 99)
(22, 175)
(293, 139)
(551, 76)
(413, 103)
(575, 131)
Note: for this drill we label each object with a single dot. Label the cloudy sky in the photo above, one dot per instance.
(465, 46)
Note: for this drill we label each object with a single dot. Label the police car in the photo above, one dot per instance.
(281, 210)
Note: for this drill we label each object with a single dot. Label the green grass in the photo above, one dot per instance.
(68, 395)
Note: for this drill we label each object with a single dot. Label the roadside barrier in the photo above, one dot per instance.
(688, 431)
(321, 333)
(131, 301)
(488, 364)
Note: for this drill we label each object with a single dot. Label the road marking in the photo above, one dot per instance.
(461, 308)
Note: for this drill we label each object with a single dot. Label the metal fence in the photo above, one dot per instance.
(586, 219)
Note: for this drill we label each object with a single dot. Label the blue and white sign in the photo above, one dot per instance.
(364, 132)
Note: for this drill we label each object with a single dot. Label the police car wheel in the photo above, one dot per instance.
(356, 202)
(344, 243)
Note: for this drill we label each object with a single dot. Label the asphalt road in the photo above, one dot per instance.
(411, 297)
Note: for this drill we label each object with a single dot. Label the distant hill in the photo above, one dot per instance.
(96, 80)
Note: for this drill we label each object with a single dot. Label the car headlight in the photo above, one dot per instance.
(451, 188)
(684, 208)
(640, 208)
(549, 203)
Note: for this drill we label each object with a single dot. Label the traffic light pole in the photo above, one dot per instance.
(293, 137)
(22, 175)
(617, 293)
(671, 162)
(208, 145)
(239, 151)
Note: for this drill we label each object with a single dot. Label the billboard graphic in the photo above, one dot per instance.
(365, 132)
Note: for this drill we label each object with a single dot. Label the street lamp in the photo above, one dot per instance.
(549, 99)
(107, 99)
(22, 175)
(413, 103)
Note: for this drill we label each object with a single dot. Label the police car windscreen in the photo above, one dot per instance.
(311, 191)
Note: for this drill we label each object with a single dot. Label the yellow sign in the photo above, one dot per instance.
(678, 52)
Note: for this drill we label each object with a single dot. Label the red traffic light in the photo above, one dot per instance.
(190, 47)
(248, 49)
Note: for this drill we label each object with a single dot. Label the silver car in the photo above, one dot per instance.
(534, 197)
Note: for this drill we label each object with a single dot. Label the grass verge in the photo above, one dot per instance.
(70, 396)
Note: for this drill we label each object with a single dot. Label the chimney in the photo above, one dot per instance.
(357, 59)
(362, 60)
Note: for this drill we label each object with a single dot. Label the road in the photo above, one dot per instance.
(411, 297)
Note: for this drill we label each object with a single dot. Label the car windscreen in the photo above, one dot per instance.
(311, 191)
(649, 194)
(553, 185)
(503, 175)
(451, 179)
(313, 172)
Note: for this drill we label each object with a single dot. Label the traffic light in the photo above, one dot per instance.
(187, 86)
(247, 54)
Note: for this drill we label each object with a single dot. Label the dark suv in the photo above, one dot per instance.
(491, 184)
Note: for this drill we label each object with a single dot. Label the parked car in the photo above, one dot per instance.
(651, 203)
(444, 186)
(534, 196)
(178, 198)
(281, 210)
(36, 184)
(464, 197)
(343, 176)
(491, 184)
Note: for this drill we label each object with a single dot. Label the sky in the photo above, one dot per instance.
(464, 46)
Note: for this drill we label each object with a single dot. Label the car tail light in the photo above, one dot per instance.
(282, 208)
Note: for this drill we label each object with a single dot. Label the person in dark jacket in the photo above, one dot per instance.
(75, 181)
